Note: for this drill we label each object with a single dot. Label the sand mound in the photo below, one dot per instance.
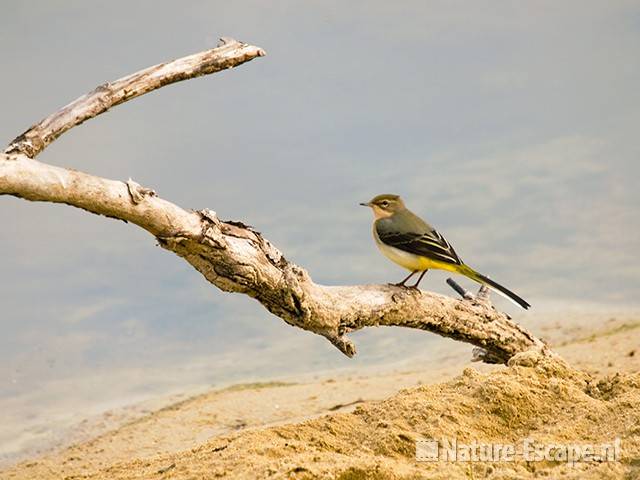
(534, 397)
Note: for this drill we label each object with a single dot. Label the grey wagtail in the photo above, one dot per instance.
(409, 241)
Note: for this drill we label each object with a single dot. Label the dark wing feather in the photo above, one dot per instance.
(431, 244)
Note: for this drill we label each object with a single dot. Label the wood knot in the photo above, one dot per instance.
(137, 192)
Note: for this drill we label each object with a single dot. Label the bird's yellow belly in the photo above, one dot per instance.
(411, 261)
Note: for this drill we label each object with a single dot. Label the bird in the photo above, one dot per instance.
(407, 240)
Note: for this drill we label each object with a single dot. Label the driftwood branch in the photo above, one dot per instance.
(228, 54)
(233, 256)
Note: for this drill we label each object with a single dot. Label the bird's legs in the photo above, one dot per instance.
(402, 283)
(419, 278)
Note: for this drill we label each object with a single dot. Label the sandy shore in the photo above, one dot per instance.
(357, 425)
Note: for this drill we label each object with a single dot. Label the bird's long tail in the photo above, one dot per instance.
(496, 287)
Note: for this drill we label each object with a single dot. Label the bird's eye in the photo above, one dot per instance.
(384, 203)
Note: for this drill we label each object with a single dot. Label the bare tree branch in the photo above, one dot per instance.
(234, 257)
(230, 53)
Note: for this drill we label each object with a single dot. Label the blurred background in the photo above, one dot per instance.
(512, 127)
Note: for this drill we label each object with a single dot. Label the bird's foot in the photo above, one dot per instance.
(411, 288)
(399, 284)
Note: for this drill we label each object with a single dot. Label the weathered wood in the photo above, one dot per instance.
(230, 53)
(234, 257)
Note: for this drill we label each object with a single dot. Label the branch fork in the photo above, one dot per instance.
(235, 257)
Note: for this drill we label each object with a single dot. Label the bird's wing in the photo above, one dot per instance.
(430, 244)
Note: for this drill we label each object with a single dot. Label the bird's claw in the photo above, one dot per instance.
(405, 287)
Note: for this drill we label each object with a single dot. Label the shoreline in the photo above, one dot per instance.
(182, 421)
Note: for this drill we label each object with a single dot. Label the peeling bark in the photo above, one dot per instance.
(233, 256)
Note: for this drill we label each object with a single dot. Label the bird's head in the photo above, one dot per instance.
(385, 205)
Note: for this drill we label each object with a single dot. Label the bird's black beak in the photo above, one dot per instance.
(364, 204)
